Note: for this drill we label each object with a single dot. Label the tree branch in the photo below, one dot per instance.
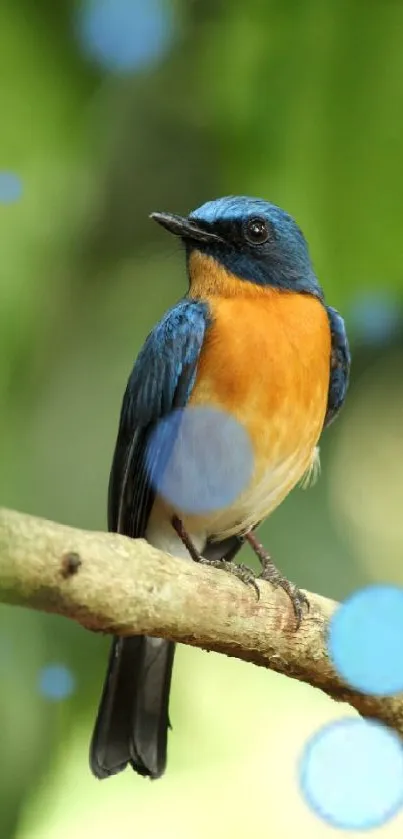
(111, 583)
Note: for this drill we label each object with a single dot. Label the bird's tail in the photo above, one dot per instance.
(132, 722)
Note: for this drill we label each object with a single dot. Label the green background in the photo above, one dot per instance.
(297, 102)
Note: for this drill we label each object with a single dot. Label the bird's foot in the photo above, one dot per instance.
(272, 575)
(242, 572)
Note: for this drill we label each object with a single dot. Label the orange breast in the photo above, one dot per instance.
(266, 358)
(266, 361)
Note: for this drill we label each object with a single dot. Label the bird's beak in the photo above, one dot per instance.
(184, 227)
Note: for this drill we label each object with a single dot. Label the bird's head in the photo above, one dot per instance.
(248, 239)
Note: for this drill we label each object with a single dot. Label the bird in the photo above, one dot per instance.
(254, 340)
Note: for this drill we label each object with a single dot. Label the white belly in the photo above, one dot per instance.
(253, 506)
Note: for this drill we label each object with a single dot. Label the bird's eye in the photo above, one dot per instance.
(257, 231)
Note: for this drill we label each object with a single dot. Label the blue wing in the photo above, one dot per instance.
(339, 365)
(162, 380)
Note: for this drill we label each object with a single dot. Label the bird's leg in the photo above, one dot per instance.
(225, 564)
(185, 538)
(273, 576)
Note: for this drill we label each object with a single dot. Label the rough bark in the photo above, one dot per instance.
(113, 584)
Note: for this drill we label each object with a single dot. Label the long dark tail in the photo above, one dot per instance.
(132, 722)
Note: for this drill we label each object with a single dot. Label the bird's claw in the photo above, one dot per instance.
(298, 599)
(242, 572)
(272, 575)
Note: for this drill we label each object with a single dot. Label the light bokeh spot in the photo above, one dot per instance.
(375, 317)
(125, 35)
(351, 774)
(365, 640)
(56, 682)
(199, 459)
(10, 187)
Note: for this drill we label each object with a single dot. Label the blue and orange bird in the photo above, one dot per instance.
(253, 339)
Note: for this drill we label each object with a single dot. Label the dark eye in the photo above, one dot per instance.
(257, 231)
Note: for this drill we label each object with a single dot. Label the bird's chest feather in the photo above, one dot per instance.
(266, 361)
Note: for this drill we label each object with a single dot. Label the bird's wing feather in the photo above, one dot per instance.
(162, 380)
(339, 365)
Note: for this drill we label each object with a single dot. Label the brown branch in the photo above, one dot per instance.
(114, 584)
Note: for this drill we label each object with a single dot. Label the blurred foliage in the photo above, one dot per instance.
(298, 102)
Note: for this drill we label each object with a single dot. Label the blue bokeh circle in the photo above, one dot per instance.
(199, 459)
(365, 640)
(351, 774)
(10, 187)
(56, 682)
(125, 36)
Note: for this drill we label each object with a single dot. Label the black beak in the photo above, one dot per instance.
(184, 227)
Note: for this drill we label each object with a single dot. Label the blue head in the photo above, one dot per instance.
(254, 240)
